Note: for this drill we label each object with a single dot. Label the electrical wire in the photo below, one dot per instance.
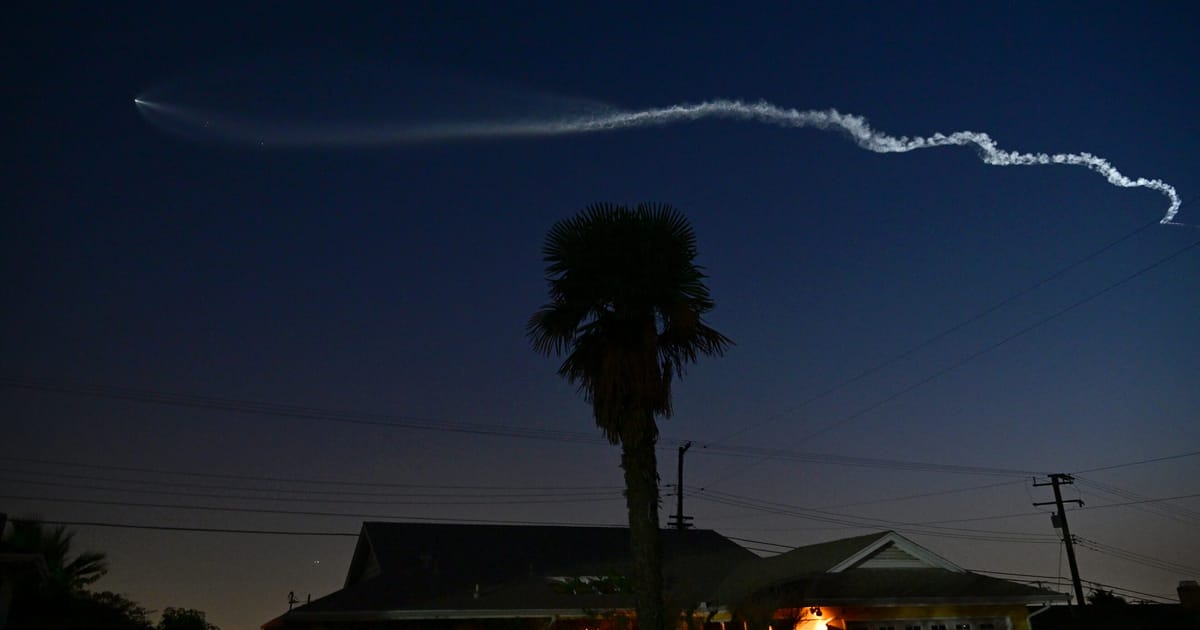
(761, 542)
(847, 520)
(921, 495)
(213, 403)
(979, 353)
(170, 528)
(215, 508)
(450, 500)
(822, 458)
(302, 480)
(911, 350)
(1137, 558)
(1138, 502)
(1165, 509)
(764, 453)
(501, 491)
(1138, 462)
(1041, 578)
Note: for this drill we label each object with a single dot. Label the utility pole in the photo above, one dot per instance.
(681, 522)
(1059, 521)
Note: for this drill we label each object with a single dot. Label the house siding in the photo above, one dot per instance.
(892, 557)
(1013, 617)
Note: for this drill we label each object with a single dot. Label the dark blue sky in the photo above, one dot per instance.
(397, 280)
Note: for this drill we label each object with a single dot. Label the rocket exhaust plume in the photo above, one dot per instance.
(856, 127)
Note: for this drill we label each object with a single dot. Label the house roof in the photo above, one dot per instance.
(884, 568)
(893, 587)
(431, 571)
(416, 568)
(802, 560)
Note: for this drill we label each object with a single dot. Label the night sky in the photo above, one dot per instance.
(160, 282)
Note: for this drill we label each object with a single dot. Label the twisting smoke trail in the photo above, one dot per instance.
(830, 120)
(858, 129)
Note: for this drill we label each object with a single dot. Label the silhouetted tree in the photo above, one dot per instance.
(626, 307)
(68, 571)
(1102, 598)
(184, 619)
(63, 602)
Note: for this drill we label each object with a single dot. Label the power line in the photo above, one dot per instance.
(1048, 578)
(985, 350)
(823, 458)
(168, 528)
(938, 336)
(294, 411)
(273, 532)
(1023, 331)
(502, 491)
(308, 480)
(1139, 462)
(1138, 502)
(1079, 509)
(847, 520)
(1166, 510)
(214, 508)
(816, 514)
(761, 542)
(764, 453)
(921, 495)
(1137, 558)
(272, 409)
(462, 499)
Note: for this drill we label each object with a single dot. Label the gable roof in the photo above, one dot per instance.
(422, 570)
(429, 571)
(890, 550)
(884, 568)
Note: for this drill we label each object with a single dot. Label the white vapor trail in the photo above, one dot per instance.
(856, 126)
(830, 119)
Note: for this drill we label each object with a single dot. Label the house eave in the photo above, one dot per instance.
(910, 547)
(412, 615)
(1022, 600)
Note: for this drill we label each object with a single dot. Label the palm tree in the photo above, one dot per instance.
(626, 300)
(68, 572)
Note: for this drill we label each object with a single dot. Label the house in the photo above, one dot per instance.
(880, 581)
(410, 575)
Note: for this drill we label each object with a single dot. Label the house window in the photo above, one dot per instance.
(962, 626)
(937, 626)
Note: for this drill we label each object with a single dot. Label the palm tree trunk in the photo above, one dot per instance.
(640, 463)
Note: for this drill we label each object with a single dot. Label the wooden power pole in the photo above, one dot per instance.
(1059, 520)
(681, 522)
